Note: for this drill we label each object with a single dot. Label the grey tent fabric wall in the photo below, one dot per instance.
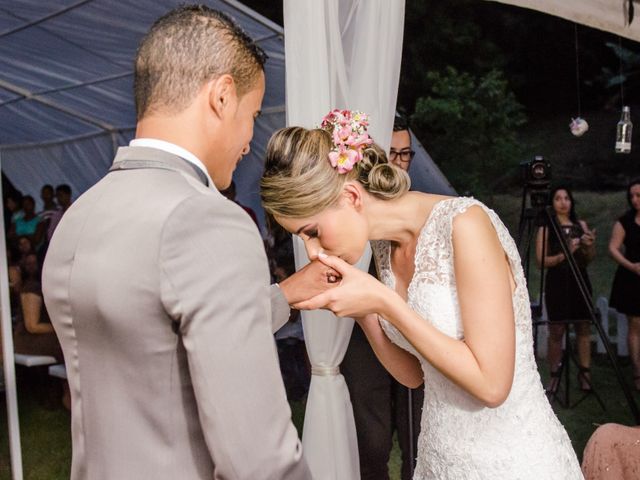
(425, 174)
(79, 163)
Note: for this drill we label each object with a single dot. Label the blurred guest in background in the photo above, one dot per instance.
(27, 224)
(63, 195)
(562, 295)
(624, 247)
(230, 193)
(12, 208)
(35, 334)
(612, 453)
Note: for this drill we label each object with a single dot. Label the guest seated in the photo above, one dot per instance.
(28, 224)
(12, 208)
(63, 196)
(15, 279)
(34, 335)
(24, 247)
(612, 453)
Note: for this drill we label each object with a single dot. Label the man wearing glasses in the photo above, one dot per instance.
(401, 153)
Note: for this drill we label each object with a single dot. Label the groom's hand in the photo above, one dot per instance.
(313, 279)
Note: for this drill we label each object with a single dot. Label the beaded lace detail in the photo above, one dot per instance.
(460, 438)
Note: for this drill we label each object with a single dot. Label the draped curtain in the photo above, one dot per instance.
(339, 54)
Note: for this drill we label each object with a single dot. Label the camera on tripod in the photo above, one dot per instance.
(537, 213)
(537, 178)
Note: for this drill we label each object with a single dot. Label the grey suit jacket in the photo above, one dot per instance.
(158, 289)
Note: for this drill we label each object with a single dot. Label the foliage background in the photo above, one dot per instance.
(489, 85)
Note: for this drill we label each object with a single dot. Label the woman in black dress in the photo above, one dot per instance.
(624, 247)
(562, 295)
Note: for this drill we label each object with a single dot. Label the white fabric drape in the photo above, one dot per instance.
(608, 15)
(339, 54)
(329, 436)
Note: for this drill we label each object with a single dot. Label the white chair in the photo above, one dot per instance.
(33, 360)
(58, 371)
(622, 327)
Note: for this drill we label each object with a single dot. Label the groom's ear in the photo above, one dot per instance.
(352, 195)
(222, 95)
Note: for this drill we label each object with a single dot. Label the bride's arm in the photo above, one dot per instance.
(483, 362)
(403, 366)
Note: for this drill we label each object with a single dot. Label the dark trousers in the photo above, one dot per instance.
(380, 406)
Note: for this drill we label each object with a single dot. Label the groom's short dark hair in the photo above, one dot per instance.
(187, 47)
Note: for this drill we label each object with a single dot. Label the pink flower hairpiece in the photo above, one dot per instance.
(349, 132)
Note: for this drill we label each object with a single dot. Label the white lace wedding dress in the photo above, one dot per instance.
(460, 438)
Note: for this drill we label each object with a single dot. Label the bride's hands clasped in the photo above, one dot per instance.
(357, 294)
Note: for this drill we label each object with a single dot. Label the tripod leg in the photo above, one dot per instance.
(566, 367)
(553, 223)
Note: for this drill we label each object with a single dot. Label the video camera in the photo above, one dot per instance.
(537, 178)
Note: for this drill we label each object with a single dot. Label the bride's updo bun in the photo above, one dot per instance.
(299, 181)
(379, 176)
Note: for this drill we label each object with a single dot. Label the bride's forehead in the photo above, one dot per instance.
(293, 225)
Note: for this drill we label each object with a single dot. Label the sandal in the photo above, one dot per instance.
(584, 379)
(554, 383)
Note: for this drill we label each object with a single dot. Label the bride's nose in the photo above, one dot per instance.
(313, 248)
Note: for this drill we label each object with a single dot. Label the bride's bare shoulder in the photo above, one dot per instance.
(474, 229)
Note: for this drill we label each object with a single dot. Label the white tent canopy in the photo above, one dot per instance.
(608, 15)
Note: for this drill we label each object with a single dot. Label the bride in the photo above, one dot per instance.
(452, 308)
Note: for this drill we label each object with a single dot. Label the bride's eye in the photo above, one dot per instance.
(312, 233)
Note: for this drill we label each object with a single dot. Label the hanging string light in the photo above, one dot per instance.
(624, 127)
(578, 125)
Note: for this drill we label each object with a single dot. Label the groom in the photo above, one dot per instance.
(158, 286)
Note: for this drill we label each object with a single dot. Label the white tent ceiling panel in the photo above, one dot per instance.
(114, 108)
(28, 122)
(7, 96)
(608, 15)
(78, 163)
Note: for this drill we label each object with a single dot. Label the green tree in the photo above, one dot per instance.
(468, 124)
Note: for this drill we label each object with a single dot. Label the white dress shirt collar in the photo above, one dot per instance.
(173, 149)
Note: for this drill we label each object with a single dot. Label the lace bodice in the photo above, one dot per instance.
(460, 437)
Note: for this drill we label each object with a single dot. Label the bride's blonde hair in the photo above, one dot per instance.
(299, 181)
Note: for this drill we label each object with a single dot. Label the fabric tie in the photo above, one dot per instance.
(324, 371)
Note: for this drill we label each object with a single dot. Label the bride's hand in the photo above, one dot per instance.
(358, 293)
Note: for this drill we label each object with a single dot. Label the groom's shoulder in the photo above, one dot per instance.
(210, 210)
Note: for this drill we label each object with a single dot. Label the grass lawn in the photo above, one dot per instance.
(46, 440)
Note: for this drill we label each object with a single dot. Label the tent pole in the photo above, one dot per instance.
(7, 352)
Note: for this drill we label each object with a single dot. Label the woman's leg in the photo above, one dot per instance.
(66, 395)
(583, 340)
(554, 353)
(634, 348)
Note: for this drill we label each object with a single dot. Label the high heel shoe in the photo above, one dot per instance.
(554, 383)
(584, 379)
